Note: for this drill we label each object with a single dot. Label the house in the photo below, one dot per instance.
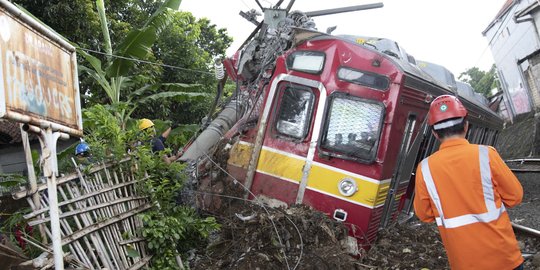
(514, 41)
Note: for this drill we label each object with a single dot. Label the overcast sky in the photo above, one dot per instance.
(446, 32)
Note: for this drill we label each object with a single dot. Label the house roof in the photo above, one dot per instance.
(10, 133)
(528, 10)
(505, 8)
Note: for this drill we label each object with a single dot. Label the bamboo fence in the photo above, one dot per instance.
(98, 217)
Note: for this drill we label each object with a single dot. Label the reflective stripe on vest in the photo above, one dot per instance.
(493, 212)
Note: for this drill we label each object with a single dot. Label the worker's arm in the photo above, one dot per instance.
(422, 201)
(504, 181)
(170, 159)
(166, 133)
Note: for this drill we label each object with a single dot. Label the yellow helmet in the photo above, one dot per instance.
(145, 123)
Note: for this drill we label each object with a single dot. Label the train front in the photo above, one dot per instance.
(321, 131)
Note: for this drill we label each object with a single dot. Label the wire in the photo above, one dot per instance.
(246, 4)
(256, 198)
(147, 62)
(496, 34)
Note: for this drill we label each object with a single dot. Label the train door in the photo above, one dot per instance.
(292, 124)
(408, 155)
(428, 145)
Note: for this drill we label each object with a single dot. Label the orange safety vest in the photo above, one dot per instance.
(465, 188)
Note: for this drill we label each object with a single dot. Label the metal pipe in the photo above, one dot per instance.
(523, 160)
(21, 118)
(48, 140)
(214, 132)
(32, 179)
(31, 128)
(343, 10)
(526, 229)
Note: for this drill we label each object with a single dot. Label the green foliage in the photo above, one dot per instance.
(172, 232)
(481, 81)
(104, 132)
(16, 222)
(192, 44)
(168, 37)
(169, 229)
(11, 180)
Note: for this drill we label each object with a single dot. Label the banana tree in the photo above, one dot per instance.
(115, 76)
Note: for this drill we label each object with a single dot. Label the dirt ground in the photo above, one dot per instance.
(253, 237)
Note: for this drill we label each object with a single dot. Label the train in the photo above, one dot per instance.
(335, 122)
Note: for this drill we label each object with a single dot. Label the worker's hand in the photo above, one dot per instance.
(174, 125)
(180, 152)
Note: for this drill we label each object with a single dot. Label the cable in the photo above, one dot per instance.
(255, 197)
(147, 62)
(502, 21)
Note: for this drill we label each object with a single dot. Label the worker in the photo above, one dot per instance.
(158, 143)
(83, 154)
(465, 188)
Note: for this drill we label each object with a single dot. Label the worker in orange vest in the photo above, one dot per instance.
(465, 188)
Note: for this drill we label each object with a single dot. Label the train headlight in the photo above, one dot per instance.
(306, 61)
(347, 187)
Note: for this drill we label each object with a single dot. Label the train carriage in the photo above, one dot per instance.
(338, 123)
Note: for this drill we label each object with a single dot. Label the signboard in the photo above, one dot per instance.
(38, 82)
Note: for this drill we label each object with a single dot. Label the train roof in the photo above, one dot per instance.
(420, 74)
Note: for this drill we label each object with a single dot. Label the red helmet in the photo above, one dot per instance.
(445, 107)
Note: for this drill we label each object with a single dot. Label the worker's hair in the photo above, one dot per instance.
(452, 130)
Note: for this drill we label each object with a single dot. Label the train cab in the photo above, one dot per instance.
(340, 126)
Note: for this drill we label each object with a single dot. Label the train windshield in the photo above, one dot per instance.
(352, 128)
(294, 114)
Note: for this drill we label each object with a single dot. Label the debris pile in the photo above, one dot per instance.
(255, 237)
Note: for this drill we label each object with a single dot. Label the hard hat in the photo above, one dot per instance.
(145, 123)
(445, 107)
(81, 148)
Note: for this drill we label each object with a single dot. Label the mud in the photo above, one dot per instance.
(255, 237)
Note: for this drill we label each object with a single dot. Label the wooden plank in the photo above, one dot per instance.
(103, 224)
(43, 210)
(88, 209)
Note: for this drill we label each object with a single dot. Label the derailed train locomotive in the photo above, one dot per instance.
(333, 122)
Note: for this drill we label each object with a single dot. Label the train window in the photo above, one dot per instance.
(306, 61)
(409, 128)
(294, 114)
(364, 78)
(352, 128)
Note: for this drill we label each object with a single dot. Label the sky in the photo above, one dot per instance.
(445, 32)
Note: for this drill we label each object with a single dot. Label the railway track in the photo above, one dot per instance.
(526, 170)
(524, 164)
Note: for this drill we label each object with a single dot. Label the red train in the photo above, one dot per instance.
(333, 122)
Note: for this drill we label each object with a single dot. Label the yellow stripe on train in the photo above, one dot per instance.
(325, 179)
(321, 178)
(281, 165)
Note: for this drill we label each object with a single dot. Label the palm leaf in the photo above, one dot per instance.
(101, 79)
(158, 21)
(100, 5)
(94, 61)
(138, 43)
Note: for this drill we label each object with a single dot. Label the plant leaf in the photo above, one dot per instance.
(132, 253)
(185, 95)
(137, 44)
